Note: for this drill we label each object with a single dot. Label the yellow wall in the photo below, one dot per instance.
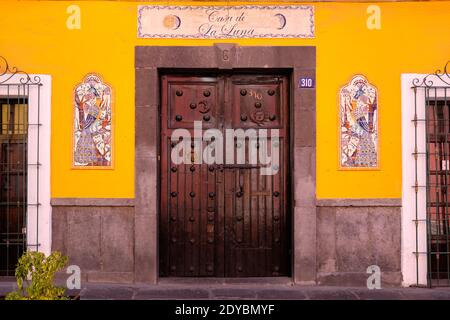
(414, 38)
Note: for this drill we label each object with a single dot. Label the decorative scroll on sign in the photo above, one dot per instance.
(359, 124)
(217, 22)
(92, 124)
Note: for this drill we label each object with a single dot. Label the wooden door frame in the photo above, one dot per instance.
(149, 62)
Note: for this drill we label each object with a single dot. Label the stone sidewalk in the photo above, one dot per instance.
(247, 290)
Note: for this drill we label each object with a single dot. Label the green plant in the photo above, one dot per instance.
(37, 272)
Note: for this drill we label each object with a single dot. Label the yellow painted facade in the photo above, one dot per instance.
(414, 38)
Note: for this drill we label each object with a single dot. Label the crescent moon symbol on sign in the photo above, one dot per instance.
(282, 20)
(177, 22)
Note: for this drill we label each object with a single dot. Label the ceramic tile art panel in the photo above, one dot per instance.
(92, 138)
(359, 124)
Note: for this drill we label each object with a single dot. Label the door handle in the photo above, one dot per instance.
(240, 193)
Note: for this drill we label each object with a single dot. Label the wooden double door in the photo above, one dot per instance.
(224, 218)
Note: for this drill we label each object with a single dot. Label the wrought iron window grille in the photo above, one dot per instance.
(435, 89)
(15, 86)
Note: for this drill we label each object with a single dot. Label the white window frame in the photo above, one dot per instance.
(408, 235)
(39, 227)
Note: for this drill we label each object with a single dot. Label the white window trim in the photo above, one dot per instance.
(408, 236)
(38, 231)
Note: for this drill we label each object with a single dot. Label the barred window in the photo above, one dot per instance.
(13, 181)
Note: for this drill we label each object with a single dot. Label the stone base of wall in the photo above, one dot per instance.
(353, 234)
(97, 235)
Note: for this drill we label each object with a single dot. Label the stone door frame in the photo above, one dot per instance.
(149, 62)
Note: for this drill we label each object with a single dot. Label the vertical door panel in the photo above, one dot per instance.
(188, 219)
(257, 235)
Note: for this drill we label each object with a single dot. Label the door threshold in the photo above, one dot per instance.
(225, 281)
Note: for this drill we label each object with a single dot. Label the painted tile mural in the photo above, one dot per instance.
(359, 124)
(92, 124)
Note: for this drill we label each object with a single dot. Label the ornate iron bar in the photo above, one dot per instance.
(7, 73)
(427, 81)
(15, 125)
(434, 89)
